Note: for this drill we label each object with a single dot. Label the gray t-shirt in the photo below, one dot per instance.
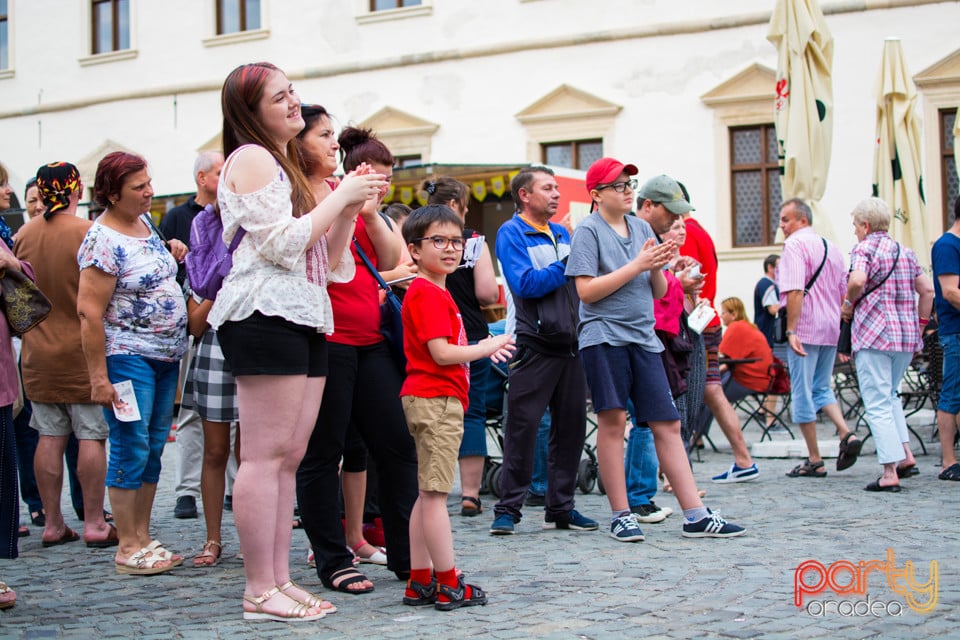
(625, 316)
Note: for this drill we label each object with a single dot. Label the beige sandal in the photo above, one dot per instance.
(143, 563)
(158, 549)
(8, 597)
(311, 599)
(299, 612)
(206, 557)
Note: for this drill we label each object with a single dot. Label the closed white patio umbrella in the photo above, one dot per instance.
(897, 169)
(803, 111)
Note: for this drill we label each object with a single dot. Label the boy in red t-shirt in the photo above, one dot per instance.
(434, 398)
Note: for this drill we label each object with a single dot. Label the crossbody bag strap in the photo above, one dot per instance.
(376, 274)
(879, 284)
(816, 274)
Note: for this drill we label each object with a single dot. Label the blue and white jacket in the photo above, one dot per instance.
(545, 300)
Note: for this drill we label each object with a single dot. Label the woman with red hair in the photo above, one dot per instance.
(272, 316)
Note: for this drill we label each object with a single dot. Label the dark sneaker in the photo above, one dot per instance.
(570, 520)
(737, 474)
(502, 525)
(648, 513)
(535, 500)
(425, 594)
(186, 507)
(625, 528)
(228, 502)
(713, 526)
(457, 598)
(667, 511)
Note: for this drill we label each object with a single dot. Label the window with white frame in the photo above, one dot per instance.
(110, 23)
(383, 5)
(572, 154)
(754, 185)
(4, 37)
(234, 16)
(948, 165)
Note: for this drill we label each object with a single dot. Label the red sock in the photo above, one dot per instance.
(450, 579)
(422, 576)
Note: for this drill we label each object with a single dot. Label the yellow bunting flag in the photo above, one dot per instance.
(391, 191)
(479, 190)
(498, 185)
(406, 195)
(422, 197)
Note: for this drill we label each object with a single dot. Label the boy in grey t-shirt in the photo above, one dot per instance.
(616, 263)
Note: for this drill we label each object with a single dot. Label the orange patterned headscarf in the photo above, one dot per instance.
(55, 182)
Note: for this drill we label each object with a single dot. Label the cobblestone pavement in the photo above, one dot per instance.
(558, 584)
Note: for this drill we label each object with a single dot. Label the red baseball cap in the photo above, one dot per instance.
(606, 170)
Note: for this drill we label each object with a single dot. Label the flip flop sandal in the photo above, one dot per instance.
(475, 508)
(876, 486)
(342, 579)
(808, 470)
(312, 600)
(908, 471)
(849, 450)
(210, 555)
(23, 532)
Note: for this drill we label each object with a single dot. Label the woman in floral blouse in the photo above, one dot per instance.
(133, 324)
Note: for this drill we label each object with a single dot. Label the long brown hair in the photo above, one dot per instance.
(239, 98)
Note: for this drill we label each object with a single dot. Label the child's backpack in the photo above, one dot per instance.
(209, 260)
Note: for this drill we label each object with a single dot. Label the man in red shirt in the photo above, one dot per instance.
(700, 247)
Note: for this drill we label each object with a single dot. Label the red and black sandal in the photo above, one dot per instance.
(463, 595)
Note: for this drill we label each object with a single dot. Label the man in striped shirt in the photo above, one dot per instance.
(813, 326)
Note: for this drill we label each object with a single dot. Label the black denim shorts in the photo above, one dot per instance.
(272, 346)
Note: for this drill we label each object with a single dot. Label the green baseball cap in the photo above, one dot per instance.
(665, 190)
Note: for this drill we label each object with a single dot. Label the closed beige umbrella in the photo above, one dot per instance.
(803, 111)
(897, 170)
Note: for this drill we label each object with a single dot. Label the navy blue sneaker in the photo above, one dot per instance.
(570, 520)
(626, 529)
(737, 474)
(713, 526)
(502, 525)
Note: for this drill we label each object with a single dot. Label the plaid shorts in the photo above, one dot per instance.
(210, 388)
(711, 342)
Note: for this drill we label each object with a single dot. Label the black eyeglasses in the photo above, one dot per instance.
(620, 187)
(440, 243)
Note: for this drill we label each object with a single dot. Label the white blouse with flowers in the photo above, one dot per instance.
(274, 270)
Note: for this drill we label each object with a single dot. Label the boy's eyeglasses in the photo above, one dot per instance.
(620, 187)
(440, 243)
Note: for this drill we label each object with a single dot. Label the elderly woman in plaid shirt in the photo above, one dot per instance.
(887, 321)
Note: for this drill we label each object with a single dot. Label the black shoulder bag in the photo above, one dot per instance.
(780, 327)
(391, 323)
(845, 342)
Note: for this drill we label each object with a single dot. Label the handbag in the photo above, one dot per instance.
(391, 320)
(845, 341)
(22, 302)
(780, 326)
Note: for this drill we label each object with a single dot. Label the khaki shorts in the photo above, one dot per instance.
(436, 425)
(86, 421)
